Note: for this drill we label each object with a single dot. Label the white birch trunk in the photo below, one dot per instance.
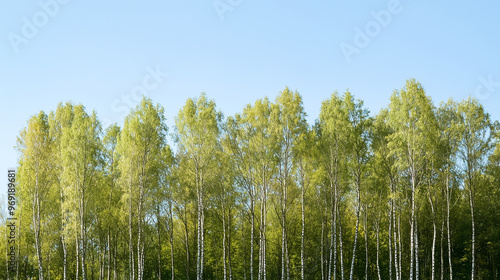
(65, 257)
(448, 226)
(322, 249)
(341, 247)
(224, 243)
(351, 273)
(366, 244)
(442, 251)
(77, 257)
(332, 238)
(389, 243)
(36, 226)
(433, 257)
(302, 234)
(378, 248)
(417, 269)
(171, 233)
(471, 196)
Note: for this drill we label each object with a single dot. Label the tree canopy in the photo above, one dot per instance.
(409, 193)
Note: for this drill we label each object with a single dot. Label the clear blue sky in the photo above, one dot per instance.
(99, 53)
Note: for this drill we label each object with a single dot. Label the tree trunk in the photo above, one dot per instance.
(198, 247)
(302, 233)
(433, 249)
(392, 223)
(351, 273)
(283, 233)
(366, 244)
(333, 235)
(186, 242)
(202, 261)
(417, 270)
(244, 242)
(448, 226)
(396, 264)
(36, 226)
(252, 226)
(322, 249)
(115, 248)
(400, 248)
(471, 196)
(142, 261)
(159, 240)
(442, 251)
(130, 240)
(65, 257)
(199, 258)
(171, 233)
(412, 230)
(83, 235)
(102, 261)
(109, 255)
(433, 255)
(389, 243)
(229, 259)
(172, 255)
(263, 219)
(77, 257)
(378, 248)
(264, 235)
(224, 243)
(201, 224)
(341, 246)
(140, 268)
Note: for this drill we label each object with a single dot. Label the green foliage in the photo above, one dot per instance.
(122, 201)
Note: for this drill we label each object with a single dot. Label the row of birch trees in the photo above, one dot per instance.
(409, 193)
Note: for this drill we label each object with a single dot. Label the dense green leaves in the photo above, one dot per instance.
(410, 192)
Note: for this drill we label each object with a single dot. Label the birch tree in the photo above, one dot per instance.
(263, 194)
(239, 132)
(110, 190)
(333, 122)
(306, 173)
(36, 177)
(386, 174)
(140, 148)
(450, 177)
(412, 119)
(81, 156)
(357, 146)
(290, 124)
(60, 121)
(166, 191)
(475, 145)
(263, 147)
(197, 135)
